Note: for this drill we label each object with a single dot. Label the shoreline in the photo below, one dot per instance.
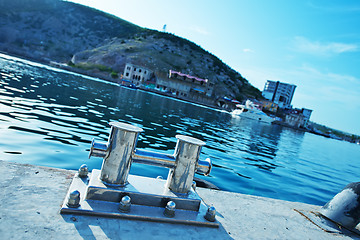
(118, 81)
(100, 76)
(63, 66)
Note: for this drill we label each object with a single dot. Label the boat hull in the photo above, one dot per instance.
(258, 116)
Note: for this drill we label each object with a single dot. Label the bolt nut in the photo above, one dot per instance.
(83, 171)
(194, 185)
(210, 214)
(125, 204)
(170, 209)
(74, 199)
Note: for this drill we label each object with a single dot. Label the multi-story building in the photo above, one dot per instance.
(175, 83)
(279, 93)
(307, 113)
(184, 85)
(136, 74)
(298, 117)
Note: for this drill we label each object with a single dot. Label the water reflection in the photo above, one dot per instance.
(49, 118)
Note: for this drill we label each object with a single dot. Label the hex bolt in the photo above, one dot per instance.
(194, 185)
(74, 199)
(170, 209)
(125, 204)
(210, 214)
(83, 171)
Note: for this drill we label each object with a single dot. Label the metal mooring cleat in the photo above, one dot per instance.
(111, 191)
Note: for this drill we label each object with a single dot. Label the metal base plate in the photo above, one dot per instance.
(148, 197)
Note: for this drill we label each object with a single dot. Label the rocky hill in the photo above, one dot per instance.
(94, 41)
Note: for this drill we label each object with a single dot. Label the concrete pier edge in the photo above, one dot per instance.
(32, 197)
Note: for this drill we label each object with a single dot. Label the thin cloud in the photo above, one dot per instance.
(329, 6)
(304, 45)
(333, 78)
(199, 30)
(247, 50)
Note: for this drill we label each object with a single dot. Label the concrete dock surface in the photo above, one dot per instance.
(32, 197)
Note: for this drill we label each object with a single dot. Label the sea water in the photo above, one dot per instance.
(48, 117)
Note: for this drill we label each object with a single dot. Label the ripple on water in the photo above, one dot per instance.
(49, 118)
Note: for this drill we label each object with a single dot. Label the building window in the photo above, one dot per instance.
(139, 70)
(127, 74)
(145, 72)
(134, 68)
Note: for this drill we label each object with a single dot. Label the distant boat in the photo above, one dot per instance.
(128, 84)
(249, 110)
(131, 86)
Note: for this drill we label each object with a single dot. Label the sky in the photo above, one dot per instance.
(314, 44)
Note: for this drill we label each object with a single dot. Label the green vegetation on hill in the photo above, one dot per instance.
(54, 30)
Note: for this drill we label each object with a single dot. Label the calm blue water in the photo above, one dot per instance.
(48, 117)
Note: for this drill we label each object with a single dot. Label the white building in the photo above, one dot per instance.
(136, 74)
(298, 117)
(307, 113)
(279, 93)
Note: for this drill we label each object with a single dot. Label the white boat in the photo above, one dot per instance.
(250, 110)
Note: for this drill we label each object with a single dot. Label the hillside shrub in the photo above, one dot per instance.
(114, 74)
